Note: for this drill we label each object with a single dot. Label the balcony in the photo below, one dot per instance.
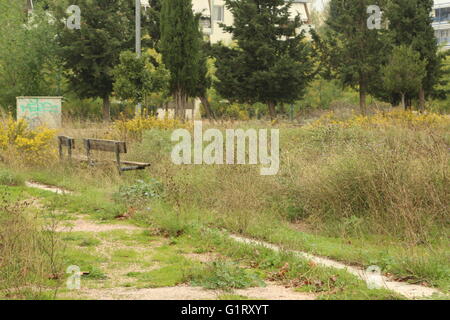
(441, 15)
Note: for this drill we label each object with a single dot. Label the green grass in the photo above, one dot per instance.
(167, 276)
(225, 275)
(82, 239)
(417, 264)
(10, 178)
(87, 261)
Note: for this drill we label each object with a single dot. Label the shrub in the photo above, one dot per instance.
(30, 145)
(225, 276)
(140, 191)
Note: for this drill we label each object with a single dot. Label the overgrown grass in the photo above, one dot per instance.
(362, 194)
(225, 275)
(10, 178)
(31, 264)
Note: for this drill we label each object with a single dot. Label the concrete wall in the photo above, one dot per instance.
(40, 111)
(193, 113)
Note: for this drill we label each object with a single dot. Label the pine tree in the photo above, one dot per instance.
(90, 54)
(355, 52)
(410, 25)
(404, 72)
(272, 62)
(180, 46)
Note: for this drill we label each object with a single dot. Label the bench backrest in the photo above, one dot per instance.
(105, 145)
(67, 142)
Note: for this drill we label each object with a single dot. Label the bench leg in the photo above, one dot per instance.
(60, 149)
(118, 159)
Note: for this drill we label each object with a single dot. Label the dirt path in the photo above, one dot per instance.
(37, 185)
(410, 291)
(272, 291)
(183, 292)
(83, 225)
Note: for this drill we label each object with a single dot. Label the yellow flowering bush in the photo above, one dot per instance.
(132, 129)
(399, 118)
(31, 145)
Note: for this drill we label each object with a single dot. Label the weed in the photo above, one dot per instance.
(10, 178)
(225, 276)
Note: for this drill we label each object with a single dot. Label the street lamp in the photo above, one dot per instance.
(139, 4)
(138, 44)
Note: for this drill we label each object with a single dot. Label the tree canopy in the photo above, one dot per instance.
(404, 72)
(272, 62)
(135, 78)
(410, 24)
(180, 46)
(91, 53)
(28, 62)
(355, 52)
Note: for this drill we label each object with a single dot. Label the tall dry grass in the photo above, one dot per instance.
(30, 254)
(339, 180)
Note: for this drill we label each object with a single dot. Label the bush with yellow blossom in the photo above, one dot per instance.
(398, 118)
(17, 139)
(132, 129)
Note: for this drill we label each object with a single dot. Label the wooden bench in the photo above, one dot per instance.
(116, 147)
(68, 142)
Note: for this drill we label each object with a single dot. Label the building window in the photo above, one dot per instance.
(218, 13)
(442, 14)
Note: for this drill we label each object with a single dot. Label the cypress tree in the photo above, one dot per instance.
(355, 52)
(180, 46)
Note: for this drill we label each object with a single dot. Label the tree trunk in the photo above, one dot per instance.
(282, 109)
(272, 110)
(106, 109)
(403, 101)
(362, 96)
(209, 112)
(180, 105)
(421, 99)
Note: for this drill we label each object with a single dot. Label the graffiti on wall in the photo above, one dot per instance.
(40, 111)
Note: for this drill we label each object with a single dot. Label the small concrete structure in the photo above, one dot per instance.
(40, 111)
(192, 111)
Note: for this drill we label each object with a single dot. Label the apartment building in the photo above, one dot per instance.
(214, 13)
(441, 22)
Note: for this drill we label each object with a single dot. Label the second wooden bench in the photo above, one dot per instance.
(116, 147)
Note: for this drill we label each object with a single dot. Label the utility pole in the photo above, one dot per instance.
(138, 45)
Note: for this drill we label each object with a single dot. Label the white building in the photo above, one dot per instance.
(441, 22)
(214, 13)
